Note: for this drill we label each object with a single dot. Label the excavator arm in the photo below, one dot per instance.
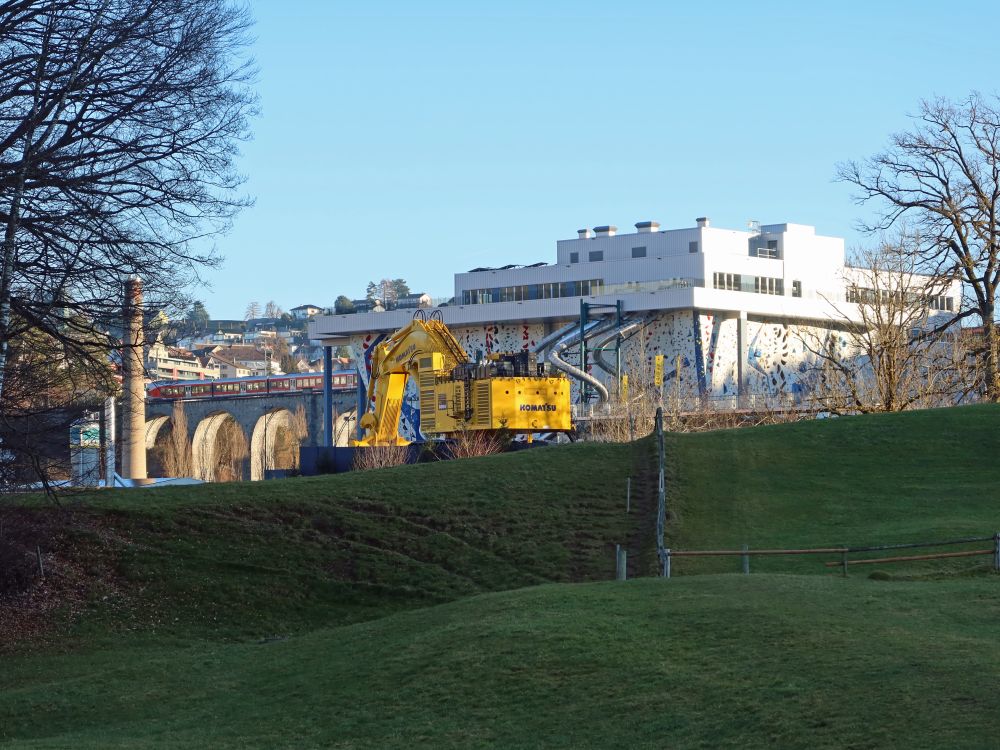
(409, 350)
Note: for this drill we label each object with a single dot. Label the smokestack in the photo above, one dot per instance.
(134, 407)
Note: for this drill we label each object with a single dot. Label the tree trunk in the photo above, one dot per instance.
(990, 342)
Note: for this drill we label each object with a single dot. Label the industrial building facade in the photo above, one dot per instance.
(735, 313)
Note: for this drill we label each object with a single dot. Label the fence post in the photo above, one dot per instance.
(843, 561)
(661, 501)
(628, 494)
(996, 551)
(666, 563)
(621, 557)
(38, 556)
(746, 561)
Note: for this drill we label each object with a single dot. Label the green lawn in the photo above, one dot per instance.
(709, 661)
(858, 481)
(354, 610)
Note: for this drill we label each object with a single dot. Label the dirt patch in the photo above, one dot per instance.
(54, 563)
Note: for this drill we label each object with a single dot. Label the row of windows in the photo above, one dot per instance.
(279, 383)
(860, 295)
(637, 252)
(735, 282)
(552, 290)
(767, 285)
(730, 281)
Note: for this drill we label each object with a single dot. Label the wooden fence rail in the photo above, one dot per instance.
(745, 553)
(907, 558)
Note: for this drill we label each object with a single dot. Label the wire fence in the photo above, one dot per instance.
(844, 553)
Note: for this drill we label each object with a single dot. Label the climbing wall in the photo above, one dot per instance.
(779, 356)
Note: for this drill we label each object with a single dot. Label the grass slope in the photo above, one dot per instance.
(707, 661)
(878, 479)
(252, 560)
(177, 654)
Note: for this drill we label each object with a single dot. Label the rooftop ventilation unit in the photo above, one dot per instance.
(606, 231)
(702, 221)
(584, 234)
(648, 227)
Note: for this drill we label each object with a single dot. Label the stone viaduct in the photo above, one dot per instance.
(244, 435)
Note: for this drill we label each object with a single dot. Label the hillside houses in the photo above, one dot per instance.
(235, 349)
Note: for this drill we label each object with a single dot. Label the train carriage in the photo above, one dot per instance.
(250, 386)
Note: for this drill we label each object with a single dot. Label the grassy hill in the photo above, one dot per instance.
(252, 560)
(311, 612)
(709, 661)
(876, 479)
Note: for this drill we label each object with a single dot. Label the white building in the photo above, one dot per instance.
(173, 363)
(304, 312)
(730, 310)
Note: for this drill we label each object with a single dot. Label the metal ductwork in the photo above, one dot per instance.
(621, 330)
(551, 338)
(572, 337)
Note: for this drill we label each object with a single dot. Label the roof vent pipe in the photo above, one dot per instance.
(702, 221)
(648, 227)
(606, 231)
(584, 234)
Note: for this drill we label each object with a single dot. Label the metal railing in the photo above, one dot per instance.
(845, 552)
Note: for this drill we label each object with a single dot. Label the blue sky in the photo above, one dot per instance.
(417, 140)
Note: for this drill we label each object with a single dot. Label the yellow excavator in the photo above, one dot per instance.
(507, 391)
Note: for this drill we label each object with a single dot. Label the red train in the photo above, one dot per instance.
(252, 386)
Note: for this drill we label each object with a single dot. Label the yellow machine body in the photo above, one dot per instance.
(525, 404)
(508, 392)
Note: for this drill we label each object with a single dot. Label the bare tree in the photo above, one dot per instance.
(232, 450)
(252, 311)
(118, 126)
(943, 177)
(886, 349)
(177, 460)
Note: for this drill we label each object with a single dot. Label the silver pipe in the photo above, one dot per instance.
(560, 346)
(620, 331)
(547, 341)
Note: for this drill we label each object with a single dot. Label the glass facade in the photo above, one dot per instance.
(550, 290)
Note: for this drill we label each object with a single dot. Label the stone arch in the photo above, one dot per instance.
(219, 448)
(345, 428)
(154, 426)
(274, 443)
(158, 431)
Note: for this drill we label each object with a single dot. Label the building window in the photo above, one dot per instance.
(693, 246)
(796, 288)
(730, 281)
(574, 257)
(942, 303)
(596, 255)
(767, 285)
(638, 252)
